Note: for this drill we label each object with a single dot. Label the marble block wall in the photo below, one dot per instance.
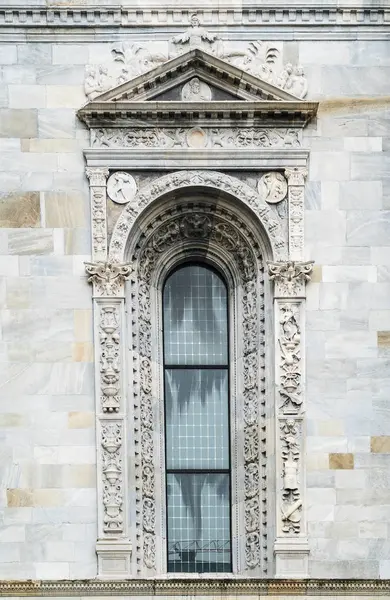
(48, 497)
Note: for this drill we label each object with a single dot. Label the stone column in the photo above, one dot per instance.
(296, 210)
(291, 546)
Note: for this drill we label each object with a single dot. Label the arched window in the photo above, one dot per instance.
(197, 437)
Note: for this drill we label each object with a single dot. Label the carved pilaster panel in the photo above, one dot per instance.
(291, 547)
(296, 205)
(113, 547)
(97, 184)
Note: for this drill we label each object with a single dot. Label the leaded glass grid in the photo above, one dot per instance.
(197, 421)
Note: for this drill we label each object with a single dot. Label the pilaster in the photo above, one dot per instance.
(113, 546)
(291, 546)
(98, 194)
(296, 208)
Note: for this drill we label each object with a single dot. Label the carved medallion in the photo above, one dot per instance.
(272, 187)
(121, 187)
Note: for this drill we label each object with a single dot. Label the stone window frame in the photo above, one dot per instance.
(289, 273)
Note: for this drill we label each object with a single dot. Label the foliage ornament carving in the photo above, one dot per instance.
(108, 277)
(261, 59)
(208, 179)
(291, 397)
(296, 180)
(201, 224)
(111, 442)
(290, 277)
(291, 510)
(180, 137)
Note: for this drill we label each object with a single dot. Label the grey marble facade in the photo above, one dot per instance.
(48, 467)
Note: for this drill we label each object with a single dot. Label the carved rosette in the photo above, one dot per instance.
(199, 226)
(97, 183)
(296, 205)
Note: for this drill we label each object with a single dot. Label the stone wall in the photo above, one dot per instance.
(47, 419)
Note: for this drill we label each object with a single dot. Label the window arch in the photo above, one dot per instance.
(216, 237)
(197, 440)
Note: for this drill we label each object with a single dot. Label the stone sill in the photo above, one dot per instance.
(204, 587)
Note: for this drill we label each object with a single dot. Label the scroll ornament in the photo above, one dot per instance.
(108, 277)
(261, 59)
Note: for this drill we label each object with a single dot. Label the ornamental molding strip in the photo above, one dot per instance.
(96, 23)
(321, 588)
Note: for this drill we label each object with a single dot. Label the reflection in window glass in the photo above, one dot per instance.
(197, 421)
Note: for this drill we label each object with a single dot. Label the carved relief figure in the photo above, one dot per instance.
(196, 91)
(196, 36)
(121, 187)
(272, 187)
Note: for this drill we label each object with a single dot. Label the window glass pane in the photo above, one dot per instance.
(197, 420)
(195, 317)
(198, 522)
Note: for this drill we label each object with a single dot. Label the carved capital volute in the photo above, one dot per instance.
(296, 175)
(108, 278)
(290, 278)
(97, 175)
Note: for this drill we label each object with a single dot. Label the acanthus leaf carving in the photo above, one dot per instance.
(291, 509)
(108, 277)
(290, 277)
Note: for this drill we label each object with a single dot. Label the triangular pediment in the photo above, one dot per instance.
(196, 76)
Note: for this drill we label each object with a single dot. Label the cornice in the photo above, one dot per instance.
(88, 22)
(266, 113)
(208, 587)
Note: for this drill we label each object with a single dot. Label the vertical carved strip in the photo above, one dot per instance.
(113, 547)
(97, 184)
(296, 207)
(291, 547)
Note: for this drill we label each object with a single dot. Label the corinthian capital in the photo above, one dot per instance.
(108, 277)
(290, 277)
(97, 175)
(296, 175)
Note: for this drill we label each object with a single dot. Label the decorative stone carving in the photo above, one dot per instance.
(196, 91)
(202, 224)
(290, 277)
(97, 179)
(184, 179)
(108, 277)
(261, 59)
(272, 187)
(121, 187)
(290, 454)
(181, 137)
(296, 202)
(290, 358)
(111, 441)
(110, 369)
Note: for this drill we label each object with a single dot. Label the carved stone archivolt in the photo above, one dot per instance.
(180, 137)
(261, 59)
(201, 227)
(198, 179)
